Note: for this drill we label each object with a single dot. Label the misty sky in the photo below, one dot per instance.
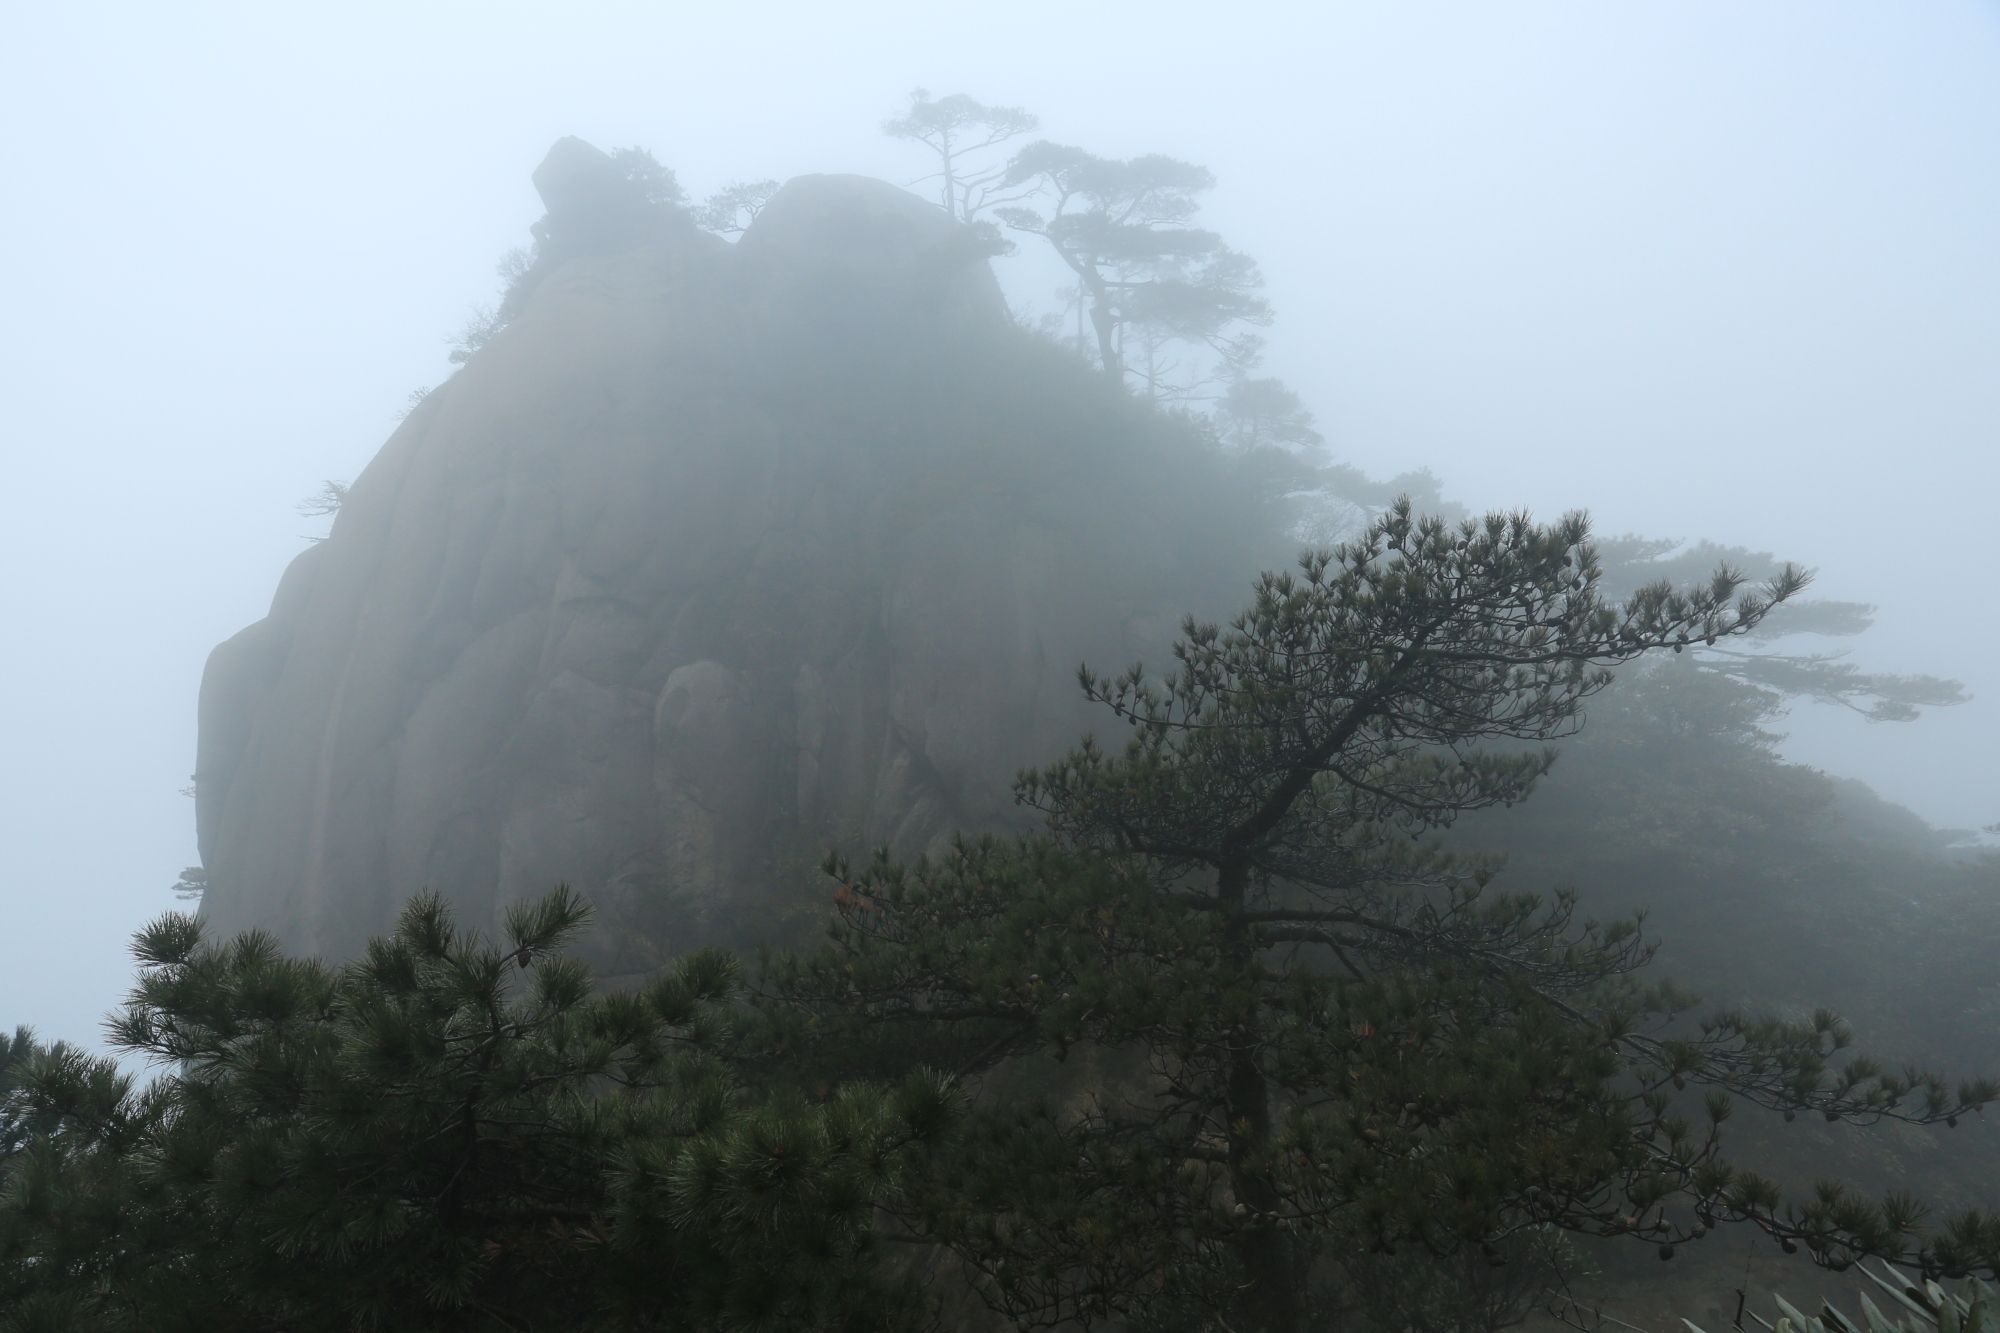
(1721, 270)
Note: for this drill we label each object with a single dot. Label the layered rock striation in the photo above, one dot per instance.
(715, 556)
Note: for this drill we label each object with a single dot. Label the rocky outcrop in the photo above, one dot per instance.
(715, 556)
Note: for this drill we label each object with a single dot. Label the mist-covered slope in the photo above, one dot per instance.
(1772, 888)
(714, 556)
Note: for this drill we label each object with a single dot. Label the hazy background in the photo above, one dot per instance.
(1723, 270)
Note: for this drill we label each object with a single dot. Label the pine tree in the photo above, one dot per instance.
(1123, 229)
(447, 1133)
(964, 135)
(1311, 1031)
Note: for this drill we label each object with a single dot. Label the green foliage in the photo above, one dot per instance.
(16, 1126)
(446, 1133)
(1328, 1033)
(1471, 1291)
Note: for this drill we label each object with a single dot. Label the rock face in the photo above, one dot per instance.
(716, 556)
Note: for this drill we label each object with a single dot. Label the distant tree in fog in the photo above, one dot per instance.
(1258, 411)
(322, 503)
(1757, 661)
(1123, 228)
(326, 500)
(481, 323)
(734, 207)
(963, 134)
(192, 884)
(1146, 281)
(651, 181)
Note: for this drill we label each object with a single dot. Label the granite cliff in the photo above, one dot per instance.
(715, 556)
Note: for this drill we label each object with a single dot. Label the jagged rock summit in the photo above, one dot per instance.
(715, 556)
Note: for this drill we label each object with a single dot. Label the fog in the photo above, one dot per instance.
(1708, 270)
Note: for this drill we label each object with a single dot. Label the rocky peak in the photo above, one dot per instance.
(714, 558)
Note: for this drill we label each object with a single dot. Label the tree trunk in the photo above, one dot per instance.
(951, 200)
(1107, 340)
(1269, 1272)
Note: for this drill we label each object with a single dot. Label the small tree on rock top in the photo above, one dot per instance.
(963, 134)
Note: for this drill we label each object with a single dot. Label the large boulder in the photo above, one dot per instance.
(714, 557)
